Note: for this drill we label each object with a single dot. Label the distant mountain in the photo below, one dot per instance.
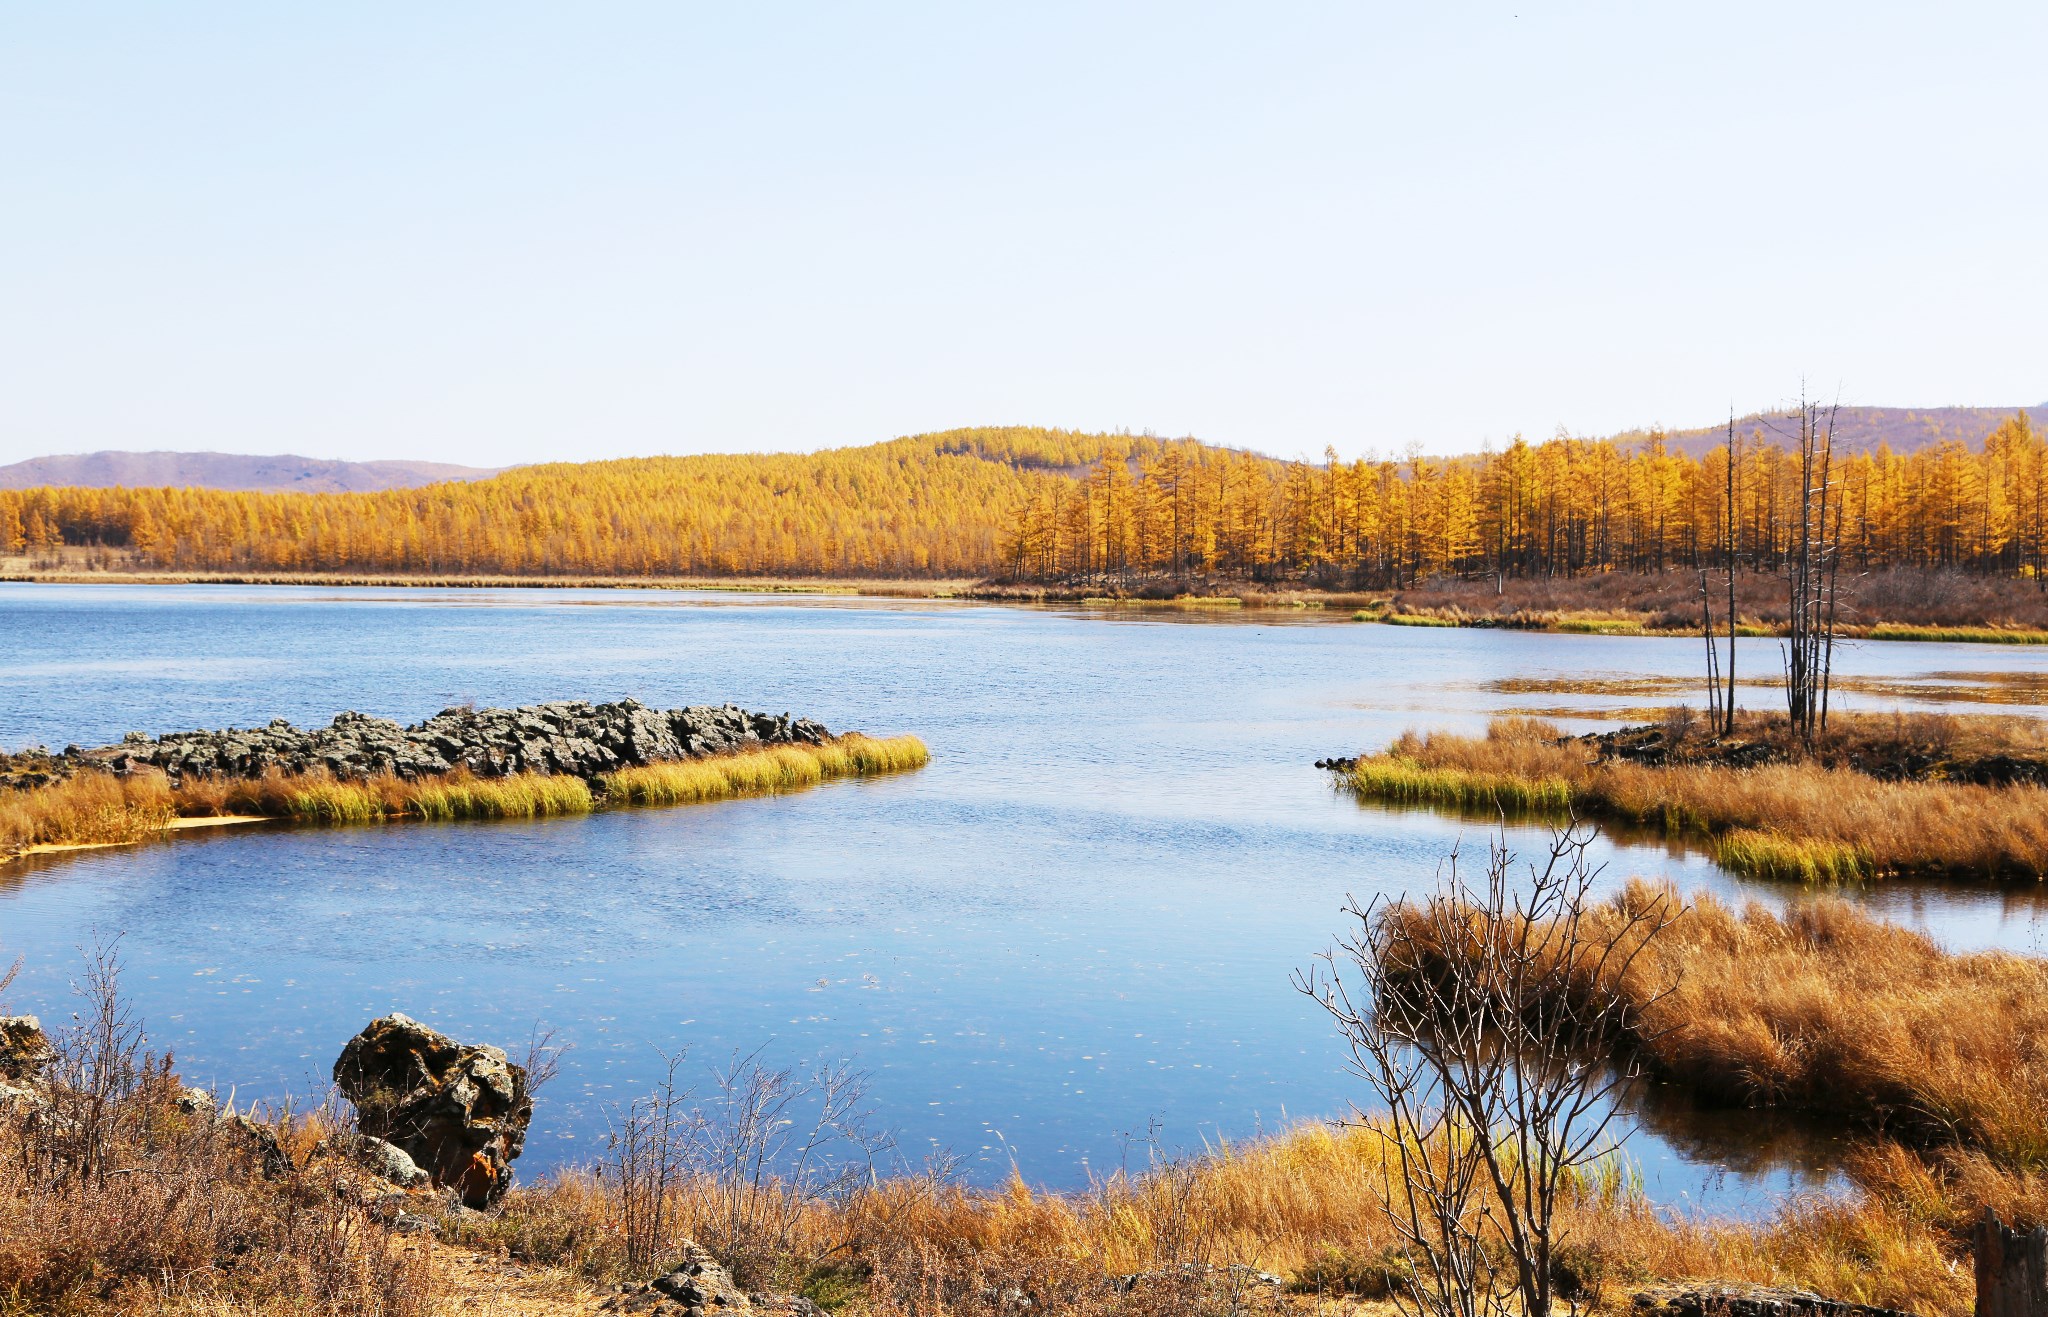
(1861, 429)
(304, 475)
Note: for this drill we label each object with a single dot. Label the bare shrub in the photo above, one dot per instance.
(772, 1143)
(644, 1165)
(1484, 1018)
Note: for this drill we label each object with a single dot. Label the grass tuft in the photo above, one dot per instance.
(1765, 854)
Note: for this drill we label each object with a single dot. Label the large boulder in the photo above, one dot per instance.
(459, 1112)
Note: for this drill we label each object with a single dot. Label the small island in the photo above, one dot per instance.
(566, 757)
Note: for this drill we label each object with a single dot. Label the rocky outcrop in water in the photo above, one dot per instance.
(574, 737)
(459, 1112)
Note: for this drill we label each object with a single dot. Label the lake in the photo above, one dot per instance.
(1076, 926)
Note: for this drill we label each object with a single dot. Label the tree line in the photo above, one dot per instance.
(1054, 505)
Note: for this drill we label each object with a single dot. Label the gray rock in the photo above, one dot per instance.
(196, 1101)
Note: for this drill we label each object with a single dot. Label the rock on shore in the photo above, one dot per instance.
(458, 1112)
(568, 736)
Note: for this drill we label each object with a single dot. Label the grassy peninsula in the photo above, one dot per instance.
(1879, 795)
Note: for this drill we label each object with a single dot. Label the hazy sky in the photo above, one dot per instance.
(499, 232)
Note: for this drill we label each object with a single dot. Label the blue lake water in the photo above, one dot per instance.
(1080, 920)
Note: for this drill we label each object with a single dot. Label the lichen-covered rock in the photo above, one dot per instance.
(460, 1112)
(25, 1051)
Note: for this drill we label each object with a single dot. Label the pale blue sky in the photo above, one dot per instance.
(501, 233)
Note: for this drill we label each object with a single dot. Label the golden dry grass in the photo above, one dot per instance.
(1793, 819)
(1301, 1203)
(782, 768)
(92, 808)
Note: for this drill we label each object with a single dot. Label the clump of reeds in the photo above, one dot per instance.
(86, 809)
(1804, 819)
(780, 768)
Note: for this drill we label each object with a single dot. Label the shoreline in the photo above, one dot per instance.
(1383, 608)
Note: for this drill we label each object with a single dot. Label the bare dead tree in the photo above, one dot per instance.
(1487, 1019)
(1811, 577)
(1734, 458)
(1714, 719)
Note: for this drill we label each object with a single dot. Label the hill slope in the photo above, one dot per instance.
(305, 475)
(1861, 429)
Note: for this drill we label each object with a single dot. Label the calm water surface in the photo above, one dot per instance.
(1078, 922)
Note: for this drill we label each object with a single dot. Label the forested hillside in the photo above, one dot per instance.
(937, 505)
(1052, 505)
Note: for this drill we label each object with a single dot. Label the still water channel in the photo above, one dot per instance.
(1075, 926)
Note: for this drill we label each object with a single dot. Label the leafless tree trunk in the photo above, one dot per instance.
(1811, 579)
(1734, 456)
(2012, 1269)
(1480, 1017)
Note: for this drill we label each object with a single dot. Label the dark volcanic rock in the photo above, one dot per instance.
(569, 736)
(459, 1112)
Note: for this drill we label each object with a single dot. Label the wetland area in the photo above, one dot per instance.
(1069, 935)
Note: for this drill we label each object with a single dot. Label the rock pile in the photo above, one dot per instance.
(568, 736)
(458, 1112)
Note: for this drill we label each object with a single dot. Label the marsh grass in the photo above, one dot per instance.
(1828, 1010)
(96, 808)
(1801, 819)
